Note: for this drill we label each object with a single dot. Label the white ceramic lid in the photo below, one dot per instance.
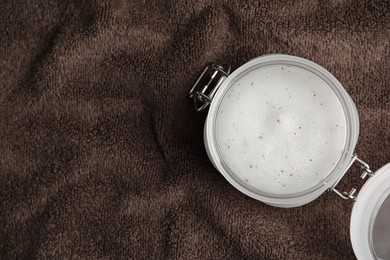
(370, 220)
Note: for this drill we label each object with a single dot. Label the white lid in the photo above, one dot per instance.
(370, 220)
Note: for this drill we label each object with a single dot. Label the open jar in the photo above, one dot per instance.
(282, 130)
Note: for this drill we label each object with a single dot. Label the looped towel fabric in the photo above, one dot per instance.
(101, 151)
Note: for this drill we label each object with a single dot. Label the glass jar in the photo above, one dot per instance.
(282, 130)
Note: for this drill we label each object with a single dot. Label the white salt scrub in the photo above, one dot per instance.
(280, 129)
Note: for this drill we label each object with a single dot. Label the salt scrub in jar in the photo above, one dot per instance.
(280, 129)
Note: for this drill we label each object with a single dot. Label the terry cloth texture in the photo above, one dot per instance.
(101, 151)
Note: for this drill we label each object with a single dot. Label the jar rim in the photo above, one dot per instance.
(352, 125)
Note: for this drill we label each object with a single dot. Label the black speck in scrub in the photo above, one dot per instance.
(250, 166)
(337, 125)
(263, 156)
(311, 160)
(321, 104)
(285, 156)
(278, 121)
(246, 180)
(281, 171)
(252, 83)
(291, 174)
(221, 111)
(300, 127)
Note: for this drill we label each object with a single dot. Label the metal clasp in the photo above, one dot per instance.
(210, 74)
(351, 194)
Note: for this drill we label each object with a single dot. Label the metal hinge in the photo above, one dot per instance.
(214, 75)
(351, 194)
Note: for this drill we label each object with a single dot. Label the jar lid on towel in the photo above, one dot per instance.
(370, 220)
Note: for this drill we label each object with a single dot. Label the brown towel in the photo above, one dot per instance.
(101, 152)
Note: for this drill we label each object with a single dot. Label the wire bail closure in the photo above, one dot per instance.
(351, 194)
(214, 75)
